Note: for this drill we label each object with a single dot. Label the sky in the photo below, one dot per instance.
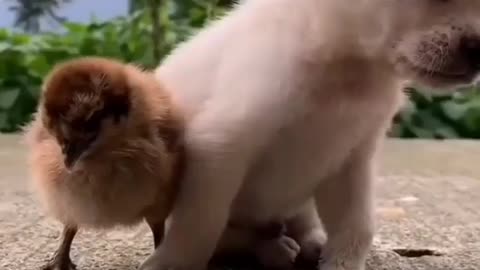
(78, 11)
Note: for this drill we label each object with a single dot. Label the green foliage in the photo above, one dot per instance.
(440, 117)
(26, 59)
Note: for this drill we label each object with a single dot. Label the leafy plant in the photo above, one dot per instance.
(440, 117)
(26, 59)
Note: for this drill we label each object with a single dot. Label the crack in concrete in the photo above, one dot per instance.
(416, 253)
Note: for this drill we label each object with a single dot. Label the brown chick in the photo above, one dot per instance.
(104, 149)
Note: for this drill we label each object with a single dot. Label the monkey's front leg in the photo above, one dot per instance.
(61, 259)
(196, 224)
(200, 214)
(345, 206)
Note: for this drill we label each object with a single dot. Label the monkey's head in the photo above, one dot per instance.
(82, 101)
(435, 42)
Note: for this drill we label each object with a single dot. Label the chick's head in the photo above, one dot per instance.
(82, 101)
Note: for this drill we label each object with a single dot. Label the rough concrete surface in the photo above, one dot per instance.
(428, 212)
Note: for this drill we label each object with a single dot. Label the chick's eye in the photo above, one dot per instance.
(91, 125)
(91, 137)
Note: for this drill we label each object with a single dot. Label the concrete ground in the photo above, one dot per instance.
(428, 211)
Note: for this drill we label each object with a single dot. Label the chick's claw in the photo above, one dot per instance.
(59, 265)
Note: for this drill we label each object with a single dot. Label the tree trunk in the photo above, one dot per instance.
(155, 6)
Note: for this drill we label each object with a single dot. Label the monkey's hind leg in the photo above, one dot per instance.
(61, 259)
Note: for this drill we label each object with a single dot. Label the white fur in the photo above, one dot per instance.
(287, 101)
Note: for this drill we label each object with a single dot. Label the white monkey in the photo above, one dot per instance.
(287, 103)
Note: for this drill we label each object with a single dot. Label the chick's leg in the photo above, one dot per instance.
(61, 259)
(157, 229)
(156, 217)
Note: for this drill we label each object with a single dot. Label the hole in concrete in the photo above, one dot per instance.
(415, 253)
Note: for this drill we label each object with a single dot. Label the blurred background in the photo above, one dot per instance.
(36, 34)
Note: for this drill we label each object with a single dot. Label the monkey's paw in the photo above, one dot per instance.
(311, 246)
(152, 266)
(160, 261)
(278, 253)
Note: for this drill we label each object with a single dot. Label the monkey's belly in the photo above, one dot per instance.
(287, 176)
(274, 195)
(294, 164)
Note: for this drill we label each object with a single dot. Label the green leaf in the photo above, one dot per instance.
(471, 121)
(8, 98)
(75, 28)
(38, 65)
(20, 39)
(446, 132)
(454, 111)
(4, 46)
(421, 132)
(3, 121)
(4, 34)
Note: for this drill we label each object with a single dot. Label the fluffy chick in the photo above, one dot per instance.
(105, 149)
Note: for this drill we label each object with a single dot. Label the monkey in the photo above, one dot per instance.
(104, 149)
(287, 105)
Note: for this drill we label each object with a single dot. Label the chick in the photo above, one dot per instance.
(104, 149)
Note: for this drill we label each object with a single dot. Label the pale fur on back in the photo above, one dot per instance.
(287, 103)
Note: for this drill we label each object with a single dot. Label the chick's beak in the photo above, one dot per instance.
(72, 152)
